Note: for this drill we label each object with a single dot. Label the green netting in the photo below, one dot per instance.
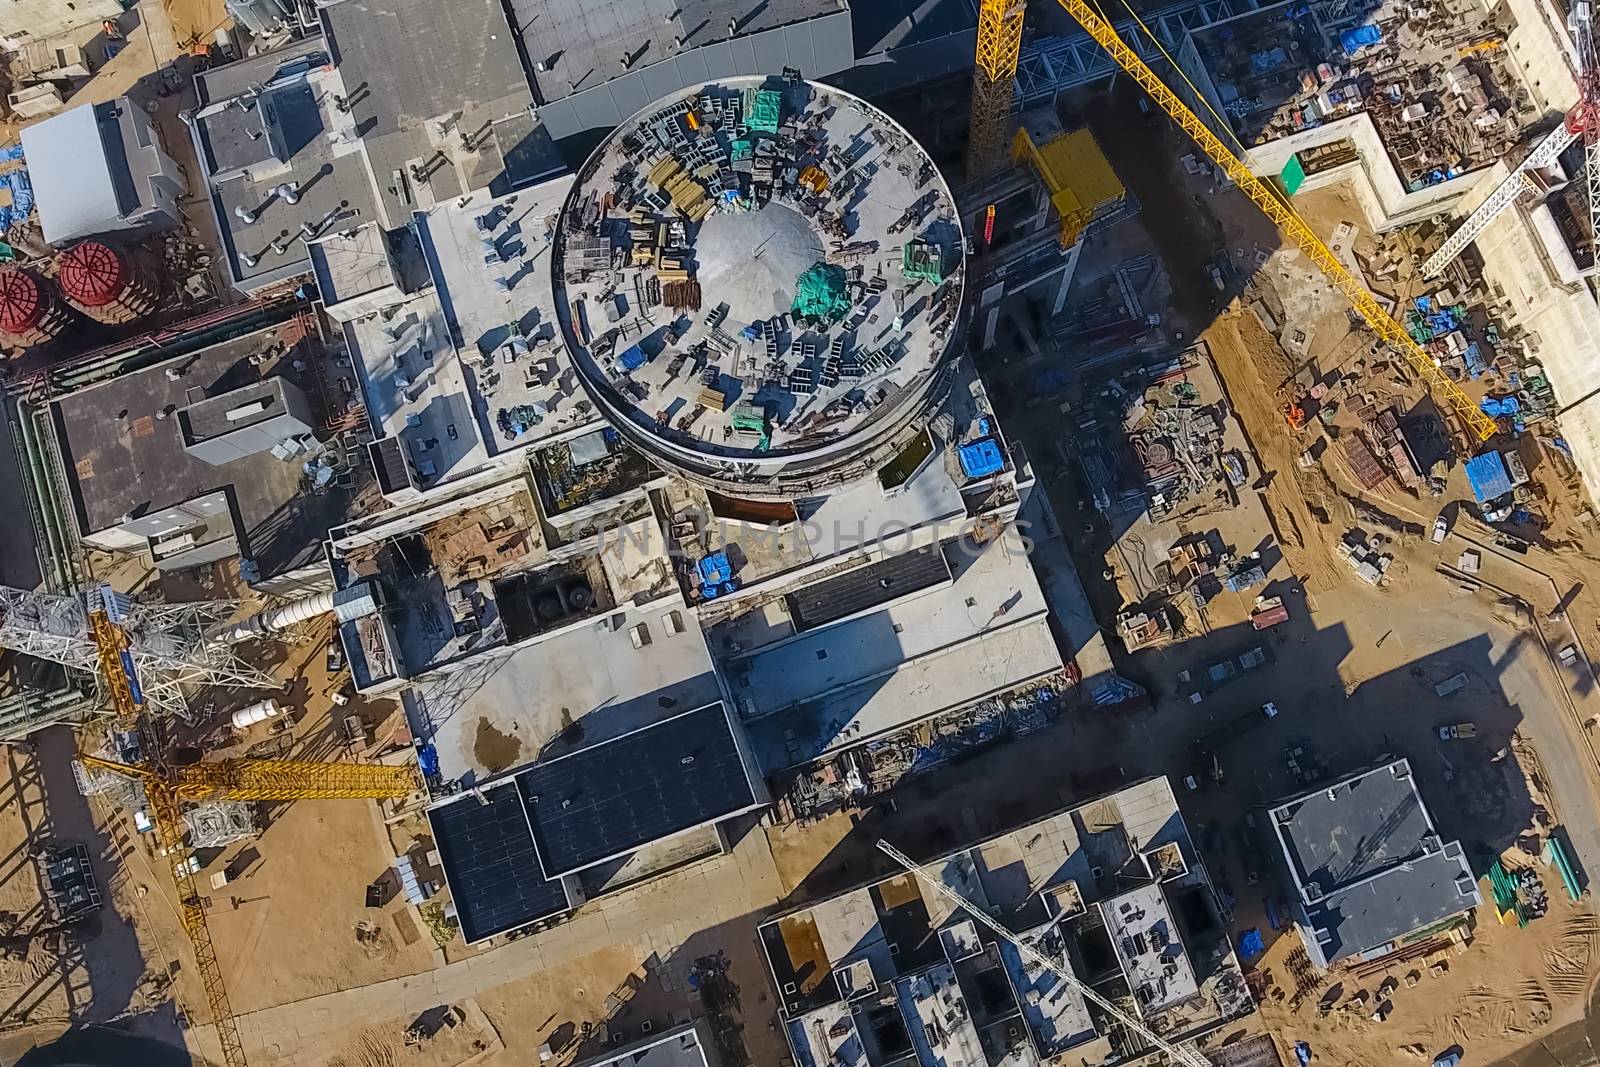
(822, 294)
(739, 149)
(764, 113)
(918, 259)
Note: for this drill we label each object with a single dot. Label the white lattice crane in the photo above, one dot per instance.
(158, 648)
(1582, 121)
(1184, 1054)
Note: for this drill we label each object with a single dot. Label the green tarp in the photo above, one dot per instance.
(1293, 176)
(822, 294)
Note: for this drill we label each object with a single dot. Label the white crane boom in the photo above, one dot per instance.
(1184, 1055)
(1584, 119)
(1506, 194)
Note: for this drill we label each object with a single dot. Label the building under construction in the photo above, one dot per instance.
(1111, 892)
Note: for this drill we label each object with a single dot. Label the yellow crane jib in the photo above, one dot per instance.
(1298, 233)
(240, 779)
(116, 666)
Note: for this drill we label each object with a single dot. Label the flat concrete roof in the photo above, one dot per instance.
(416, 390)
(842, 684)
(408, 63)
(137, 463)
(583, 43)
(506, 307)
(285, 129)
(582, 686)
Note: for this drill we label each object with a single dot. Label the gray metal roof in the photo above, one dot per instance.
(407, 61)
(1408, 897)
(614, 797)
(74, 162)
(1368, 863)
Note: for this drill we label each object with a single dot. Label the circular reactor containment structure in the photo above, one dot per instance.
(760, 282)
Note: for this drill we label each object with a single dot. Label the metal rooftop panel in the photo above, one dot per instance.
(1416, 894)
(611, 798)
(1354, 828)
(867, 587)
(486, 848)
(71, 165)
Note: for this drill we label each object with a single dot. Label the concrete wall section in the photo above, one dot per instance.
(1542, 50)
(1563, 319)
(1377, 185)
(22, 21)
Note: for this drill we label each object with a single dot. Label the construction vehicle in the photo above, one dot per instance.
(1182, 1054)
(997, 14)
(239, 779)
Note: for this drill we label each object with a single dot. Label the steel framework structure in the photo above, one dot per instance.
(170, 645)
(994, 79)
(1505, 194)
(239, 779)
(1473, 420)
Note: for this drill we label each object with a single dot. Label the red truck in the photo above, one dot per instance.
(1269, 612)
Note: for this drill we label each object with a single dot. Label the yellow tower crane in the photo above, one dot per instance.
(993, 82)
(1004, 17)
(239, 779)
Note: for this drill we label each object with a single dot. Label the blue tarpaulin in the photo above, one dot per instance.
(21, 191)
(1504, 407)
(1475, 364)
(1353, 41)
(632, 359)
(1488, 477)
(1250, 945)
(981, 458)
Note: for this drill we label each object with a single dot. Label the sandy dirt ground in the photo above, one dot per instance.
(1509, 985)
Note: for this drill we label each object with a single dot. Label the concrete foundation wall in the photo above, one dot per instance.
(1377, 185)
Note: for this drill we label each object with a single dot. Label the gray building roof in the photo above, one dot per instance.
(406, 62)
(89, 170)
(283, 128)
(587, 85)
(1368, 864)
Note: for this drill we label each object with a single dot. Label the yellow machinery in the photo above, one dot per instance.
(1075, 173)
(997, 14)
(112, 645)
(238, 779)
(993, 81)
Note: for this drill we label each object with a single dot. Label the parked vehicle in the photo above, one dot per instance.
(1441, 528)
(1460, 731)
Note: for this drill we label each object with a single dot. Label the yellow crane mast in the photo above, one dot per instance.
(997, 56)
(239, 779)
(993, 82)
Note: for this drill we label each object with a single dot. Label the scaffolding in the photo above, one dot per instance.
(171, 646)
(220, 823)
